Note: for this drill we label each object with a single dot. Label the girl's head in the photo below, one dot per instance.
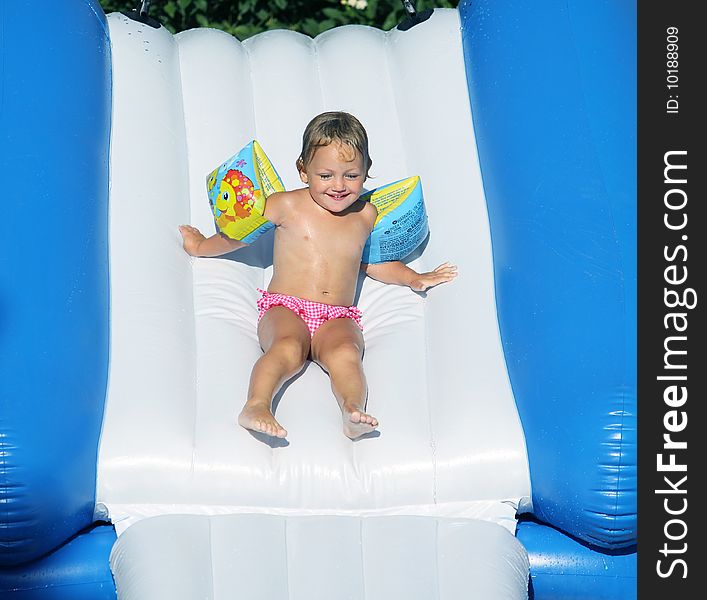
(334, 162)
(340, 128)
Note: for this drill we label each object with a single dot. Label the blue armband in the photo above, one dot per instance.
(401, 225)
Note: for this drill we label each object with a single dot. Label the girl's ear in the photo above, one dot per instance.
(302, 173)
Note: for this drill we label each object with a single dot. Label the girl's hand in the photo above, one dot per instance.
(445, 272)
(191, 239)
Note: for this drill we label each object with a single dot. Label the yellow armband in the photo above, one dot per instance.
(237, 192)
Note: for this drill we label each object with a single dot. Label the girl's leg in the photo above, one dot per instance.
(286, 341)
(338, 347)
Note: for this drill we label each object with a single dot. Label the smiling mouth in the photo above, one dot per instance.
(337, 196)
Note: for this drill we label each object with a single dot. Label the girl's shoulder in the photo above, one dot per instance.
(279, 204)
(369, 211)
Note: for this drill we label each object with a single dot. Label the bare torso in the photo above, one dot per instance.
(317, 253)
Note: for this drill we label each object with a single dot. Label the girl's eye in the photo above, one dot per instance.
(325, 176)
(352, 176)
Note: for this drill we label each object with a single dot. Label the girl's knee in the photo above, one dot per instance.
(343, 353)
(290, 349)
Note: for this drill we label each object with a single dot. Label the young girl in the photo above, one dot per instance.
(306, 311)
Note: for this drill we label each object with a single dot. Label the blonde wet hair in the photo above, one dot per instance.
(330, 127)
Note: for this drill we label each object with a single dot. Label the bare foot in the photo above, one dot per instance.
(357, 422)
(257, 417)
(192, 237)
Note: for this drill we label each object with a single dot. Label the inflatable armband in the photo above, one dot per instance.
(401, 224)
(237, 192)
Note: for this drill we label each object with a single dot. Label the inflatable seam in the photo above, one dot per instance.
(363, 561)
(528, 505)
(314, 46)
(273, 456)
(387, 50)
(285, 524)
(428, 396)
(101, 18)
(436, 555)
(466, 50)
(246, 48)
(195, 352)
(211, 560)
(100, 511)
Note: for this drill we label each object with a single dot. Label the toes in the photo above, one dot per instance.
(362, 417)
(358, 417)
(359, 423)
(264, 427)
(261, 422)
(269, 428)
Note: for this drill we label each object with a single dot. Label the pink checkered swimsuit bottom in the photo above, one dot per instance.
(312, 313)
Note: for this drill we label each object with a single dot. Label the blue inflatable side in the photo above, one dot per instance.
(78, 570)
(563, 568)
(55, 121)
(553, 90)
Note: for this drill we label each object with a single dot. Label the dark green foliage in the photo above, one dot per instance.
(245, 18)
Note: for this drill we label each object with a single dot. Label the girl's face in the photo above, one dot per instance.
(335, 176)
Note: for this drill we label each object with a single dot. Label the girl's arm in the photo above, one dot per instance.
(196, 244)
(398, 273)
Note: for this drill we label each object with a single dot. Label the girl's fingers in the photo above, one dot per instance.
(446, 266)
(444, 273)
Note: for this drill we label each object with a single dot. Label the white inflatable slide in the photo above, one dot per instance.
(205, 509)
